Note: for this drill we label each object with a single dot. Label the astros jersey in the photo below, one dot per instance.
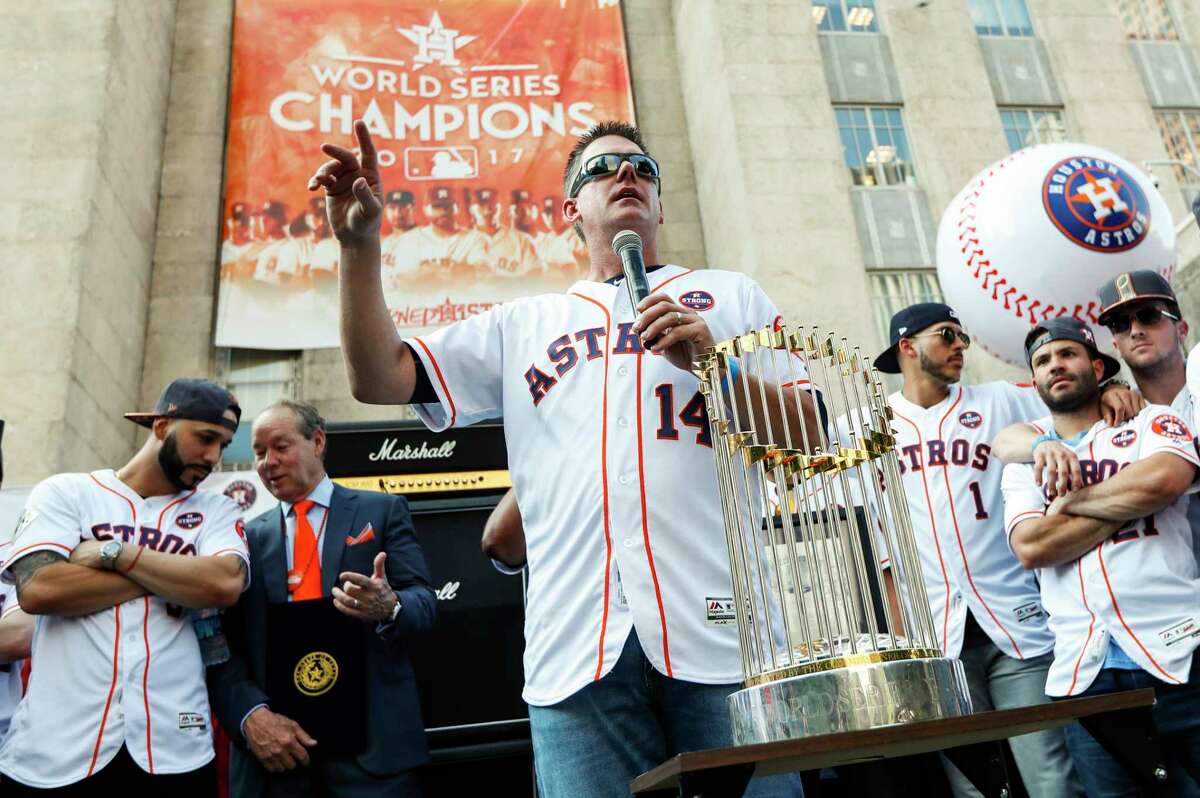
(421, 246)
(10, 672)
(611, 456)
(952, 483)
(127, 676)
(510, 252)
(1140, 586)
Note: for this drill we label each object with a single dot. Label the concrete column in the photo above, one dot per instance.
(82, 142)
(773, 189)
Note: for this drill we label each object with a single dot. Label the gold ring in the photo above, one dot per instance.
(678, 318)
(356, 604)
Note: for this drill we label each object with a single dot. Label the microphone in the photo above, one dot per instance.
(627, 245)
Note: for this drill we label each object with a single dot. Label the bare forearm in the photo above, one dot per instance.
(1015, 444)
(1141, 489)
(503, 534)
(797, 408)
(196, 582)
(1056, 539)
(893, 600)
(16, 636)
(64, 588)
(379, 364)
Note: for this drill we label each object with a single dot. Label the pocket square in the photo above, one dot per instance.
(367, 534)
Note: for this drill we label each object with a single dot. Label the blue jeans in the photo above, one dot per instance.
(599, 739)
(1176, 717)
(998, 681)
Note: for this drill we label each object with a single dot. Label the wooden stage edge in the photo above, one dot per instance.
(846, 748)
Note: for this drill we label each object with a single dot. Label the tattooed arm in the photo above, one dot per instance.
(49, 585)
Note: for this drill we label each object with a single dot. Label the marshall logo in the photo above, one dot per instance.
(448, 591)
(390, 449)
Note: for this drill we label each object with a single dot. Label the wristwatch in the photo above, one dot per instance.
(109, 553)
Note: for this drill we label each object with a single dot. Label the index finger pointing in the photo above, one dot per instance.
(365, 144)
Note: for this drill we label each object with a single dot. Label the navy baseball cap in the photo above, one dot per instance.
(1136, 286)
(485, 195)
(1069, 328)
(195, 400)
(440, 195)
(907, 323)
(400, 198)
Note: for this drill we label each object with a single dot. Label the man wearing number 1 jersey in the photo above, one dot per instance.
(986, 608)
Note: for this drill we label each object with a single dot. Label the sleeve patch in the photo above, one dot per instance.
(1171, 427)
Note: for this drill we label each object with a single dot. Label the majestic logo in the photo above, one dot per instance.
(1171, 427)
(697, 300)
(315, 673)
(189, 520)
(436, 44)
(390, 450)
(970, 419)
(242, 492)
(1096, 204)
(1124, 438)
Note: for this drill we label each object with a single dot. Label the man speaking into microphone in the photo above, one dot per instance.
(610, 454)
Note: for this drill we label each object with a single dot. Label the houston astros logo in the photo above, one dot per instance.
(970, 419)
(242, 493)
(1096, 204)
(697, 300)
(1124, 438)
(1171, 427)
(315, 673)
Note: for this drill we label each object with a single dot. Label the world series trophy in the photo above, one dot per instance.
(833, 620)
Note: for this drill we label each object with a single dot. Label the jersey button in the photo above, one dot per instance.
(624, 480)
(622, 422)
(629, 543)
(623, 370)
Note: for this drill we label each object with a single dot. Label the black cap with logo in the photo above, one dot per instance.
(1069, 328)
(1136, 286)
(195, 400)
(400, 198)
(907, 323)
(440, 195)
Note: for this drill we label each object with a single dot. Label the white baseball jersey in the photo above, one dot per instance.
(10, 672)
(510, 252)
(952, 483)
(325, 255)
(423, 247)
(611, 456)
(1141, 586)
(127, 676)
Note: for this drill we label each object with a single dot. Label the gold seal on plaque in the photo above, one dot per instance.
(315, 673)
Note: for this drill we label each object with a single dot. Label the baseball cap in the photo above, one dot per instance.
(276, 209)
(239, 212)
(400, 198)
(440, 195)
(520, 195)
(550, 204)
(317, 204)
(485, 195)
(195, 400)
(906, 323)
(1068, 328)
(1136, 286)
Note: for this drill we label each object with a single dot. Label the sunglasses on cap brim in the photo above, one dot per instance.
(1146, 316)
(608, 163)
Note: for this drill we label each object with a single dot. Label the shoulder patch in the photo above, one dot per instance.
(242, 492)
(970, 419)
(1171, 427)
(697, 300)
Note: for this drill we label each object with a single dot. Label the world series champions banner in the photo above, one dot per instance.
(473, 106)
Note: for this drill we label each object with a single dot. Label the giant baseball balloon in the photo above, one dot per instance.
(1035, 234)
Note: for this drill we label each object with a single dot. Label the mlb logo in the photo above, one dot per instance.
(698, 301)
(1124, 438)
(441, 163)
(189, 520)
(970, 419)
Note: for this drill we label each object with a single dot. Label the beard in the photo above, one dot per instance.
(1086, 391)
(943, 372)
(172, 464)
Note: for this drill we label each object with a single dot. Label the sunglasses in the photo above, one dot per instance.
(609, 163)
(1147, 317)
(947, 335)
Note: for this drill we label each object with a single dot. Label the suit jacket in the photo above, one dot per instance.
(395, 733)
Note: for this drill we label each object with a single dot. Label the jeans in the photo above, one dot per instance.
(599, 739)
(998, 681)
(1176, 717)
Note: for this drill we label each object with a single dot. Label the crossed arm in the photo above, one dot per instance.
(49, 584)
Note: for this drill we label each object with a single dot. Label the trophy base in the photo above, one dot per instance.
(853, 698)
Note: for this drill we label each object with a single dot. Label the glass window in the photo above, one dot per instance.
(1181, 135)
(1147, 19)
(853, 16)
(875, 146)
(892, 291)
(257, 378)
(1024, 127)
(1001, 18)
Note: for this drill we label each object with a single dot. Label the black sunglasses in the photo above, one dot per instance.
(608, 163)
(948, 334)
(1146, 316)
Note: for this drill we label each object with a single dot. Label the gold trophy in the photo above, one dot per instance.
(833, 619)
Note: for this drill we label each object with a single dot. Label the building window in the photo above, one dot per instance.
(875, 146)
(1024, 127)
(892, 291)
(1001, 18)
(1181, 135)
(853, 16)
(257, 378)
(1147, 19)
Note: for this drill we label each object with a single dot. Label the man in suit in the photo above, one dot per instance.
(323, 535)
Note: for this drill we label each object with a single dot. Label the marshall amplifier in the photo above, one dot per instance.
(468, 669)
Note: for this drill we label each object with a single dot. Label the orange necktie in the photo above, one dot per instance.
(304, 580)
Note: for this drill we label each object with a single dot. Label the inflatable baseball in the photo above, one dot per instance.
(1035, 234)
